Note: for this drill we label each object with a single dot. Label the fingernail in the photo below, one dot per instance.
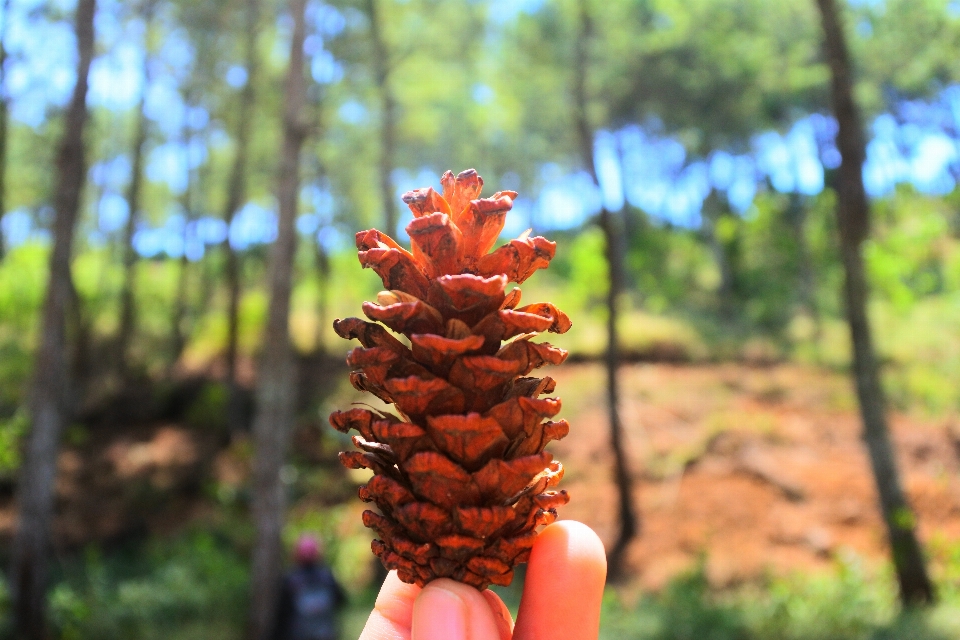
(439, 614)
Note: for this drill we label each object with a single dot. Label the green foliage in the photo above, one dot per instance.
(714, 70)
(12, 431)
(670, 267)
(911, 249)
(846, 603)
(772, 262)
(192, 587)
(209, 409)
(911, 48)
(195, 586)
(22, 287)
(684, 611)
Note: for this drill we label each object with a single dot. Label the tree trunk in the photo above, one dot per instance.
(796, 215)
(388, 116)
(127, 302)
(177, 333)
(49, 409)
(4, 121)
(236, 194)
(853, 214)
(276, 386)
(612, 226)
(322, 262)
(79, 337)
(714, 211)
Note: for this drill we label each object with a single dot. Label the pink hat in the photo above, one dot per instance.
(307, 549)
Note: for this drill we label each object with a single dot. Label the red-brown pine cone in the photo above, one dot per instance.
(460, 477)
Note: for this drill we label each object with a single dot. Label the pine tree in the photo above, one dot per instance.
(460, 475)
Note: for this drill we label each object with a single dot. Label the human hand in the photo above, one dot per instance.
(561, 598)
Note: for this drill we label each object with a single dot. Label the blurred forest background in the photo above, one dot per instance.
(684, 155)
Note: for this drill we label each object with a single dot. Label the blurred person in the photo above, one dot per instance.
(310, 596)
(562, 593)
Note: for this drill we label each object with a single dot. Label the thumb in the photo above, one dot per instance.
(448, 610)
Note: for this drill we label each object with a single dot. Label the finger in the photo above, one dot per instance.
(449, 610)
(392, 615)
(501, 614)
(564, 585)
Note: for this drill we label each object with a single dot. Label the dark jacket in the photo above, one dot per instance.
(309, 599)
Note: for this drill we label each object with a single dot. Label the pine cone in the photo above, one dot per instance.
(460, 477)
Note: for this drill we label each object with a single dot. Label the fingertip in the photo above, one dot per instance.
(392, 615)
(564, 584)
(573, 544)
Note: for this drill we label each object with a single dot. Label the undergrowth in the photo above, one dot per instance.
(196, 587)
(846, 604)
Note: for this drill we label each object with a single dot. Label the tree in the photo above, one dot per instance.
(4, 119)
(796, 218)
(612, 226)
(236, 194)
(276, 384)
(178, 337)
(853, 217)
(134, 189)
(205, 23)
(49, 405)
(388, 113)
(716, 210)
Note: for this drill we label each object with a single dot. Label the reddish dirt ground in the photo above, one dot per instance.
(760, 469)
(126, 481)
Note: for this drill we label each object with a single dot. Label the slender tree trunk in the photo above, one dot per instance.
(276, 386)
(612, 226)
(236, 194)
(388, 115)
(49, 410)
(4, 121)
(713, 211)
(206, 276)
(80, 339)
(806, 275)
(134, 188)
(853, 214)
(322, 262)
(178, 339)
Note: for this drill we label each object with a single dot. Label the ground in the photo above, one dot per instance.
(756, 469)
(760, 469)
